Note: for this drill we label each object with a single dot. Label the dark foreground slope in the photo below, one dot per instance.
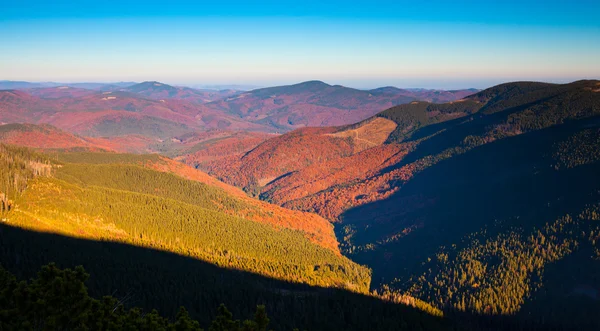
(154, 279)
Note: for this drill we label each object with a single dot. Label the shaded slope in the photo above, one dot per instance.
(498, 214)
(154, 279)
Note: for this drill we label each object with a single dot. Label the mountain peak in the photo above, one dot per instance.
(313, 83)
(150, 87)
(151, 83)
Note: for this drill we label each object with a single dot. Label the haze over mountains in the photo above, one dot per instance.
(481, 206)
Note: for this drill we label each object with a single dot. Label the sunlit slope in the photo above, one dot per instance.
(123, 202)
(313, 227)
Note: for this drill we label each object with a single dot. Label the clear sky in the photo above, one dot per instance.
(433, 44)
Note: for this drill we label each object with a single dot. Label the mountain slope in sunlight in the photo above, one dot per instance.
(154, 239)
(121, 197)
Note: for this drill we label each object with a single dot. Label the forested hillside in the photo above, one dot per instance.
(483, 210)
(156, 240)
(127, 203)
(315, 103)
(471, 205)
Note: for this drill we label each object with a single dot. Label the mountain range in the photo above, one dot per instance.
(470, 188)
(378, 209)
(163, 115)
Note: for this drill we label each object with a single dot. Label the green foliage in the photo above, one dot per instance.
(107, 158)
(187, 222)
(511, 261)
(18, 165)
(417, 115)
(104, 197)
(57, 299)
(146, 181)
(154, 279)
(82, 200)
(579, 149)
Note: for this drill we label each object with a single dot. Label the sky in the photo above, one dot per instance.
(364, 44)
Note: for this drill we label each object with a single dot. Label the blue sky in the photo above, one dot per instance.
(433, 44)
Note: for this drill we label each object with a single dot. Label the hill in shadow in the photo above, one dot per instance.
(515, 185)
(150, 278)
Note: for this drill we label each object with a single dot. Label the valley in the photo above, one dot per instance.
(299, 165)
(452, 209)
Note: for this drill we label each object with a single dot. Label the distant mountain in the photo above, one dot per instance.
(43, 136)
(157, 90)
(100, 86)
(10, 85)
(219, 87)
(59, 92)
(157, 112)
(118, 113)
(435, 96)
(315, 103)
(47, 137)
(274, 109)
(452, 202)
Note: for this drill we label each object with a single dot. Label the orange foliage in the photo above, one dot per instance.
(314, 227)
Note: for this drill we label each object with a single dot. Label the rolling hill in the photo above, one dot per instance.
(114, 114)
(59, 92)
(315, 103)
(161, 91)
(48, 137)
(208, 146)
(452, 202)
(22, 85)
(156, 117)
